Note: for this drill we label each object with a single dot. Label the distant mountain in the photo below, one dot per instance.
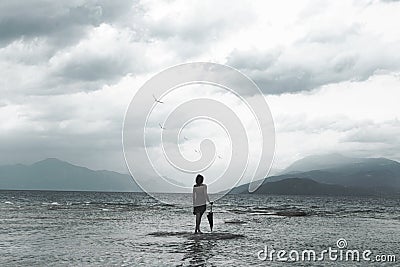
(54, 174)
(359, 175)
(360, 172)
(302, 186)
(320, 162)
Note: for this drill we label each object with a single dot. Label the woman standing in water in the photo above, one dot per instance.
(200, 198)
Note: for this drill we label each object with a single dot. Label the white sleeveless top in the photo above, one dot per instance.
(200, 196)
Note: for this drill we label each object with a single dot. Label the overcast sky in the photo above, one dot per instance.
(330, 71)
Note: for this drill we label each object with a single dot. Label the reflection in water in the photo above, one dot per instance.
(198, 252)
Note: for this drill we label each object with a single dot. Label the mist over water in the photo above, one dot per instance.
(131, 229)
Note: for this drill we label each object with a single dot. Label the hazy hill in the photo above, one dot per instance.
(360, 172)
(302, 186)
(54, 174)
(348, 176)
(320, 162)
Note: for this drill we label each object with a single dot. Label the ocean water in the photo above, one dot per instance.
(132, 229)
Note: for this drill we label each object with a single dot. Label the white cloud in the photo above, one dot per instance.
(357, 117)
(329, 69)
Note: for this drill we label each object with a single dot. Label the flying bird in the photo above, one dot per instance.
(157, 100)
(219, 157)
(197, 151)
(162, 127)
(185, 138)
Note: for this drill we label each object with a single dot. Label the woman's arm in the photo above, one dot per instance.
(194, 199)
(194, 196)
(206, 194)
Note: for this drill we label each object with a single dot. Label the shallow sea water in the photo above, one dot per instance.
(132, 229)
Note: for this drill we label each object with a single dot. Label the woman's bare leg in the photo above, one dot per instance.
(198, 221)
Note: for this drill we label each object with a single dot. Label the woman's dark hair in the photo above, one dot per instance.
(199, 179)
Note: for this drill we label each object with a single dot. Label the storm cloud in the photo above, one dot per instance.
(61, 22)
(330, 71)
